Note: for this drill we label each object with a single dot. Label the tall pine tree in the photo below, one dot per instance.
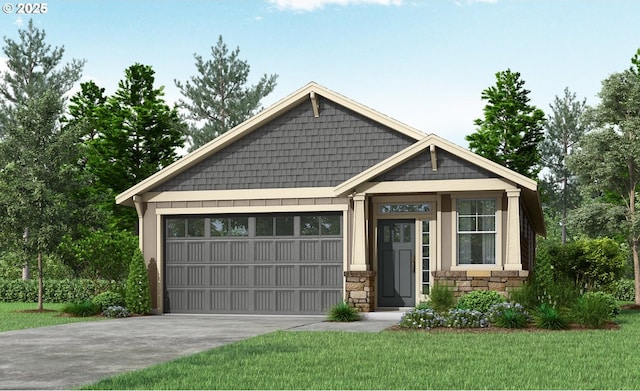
(511, 129)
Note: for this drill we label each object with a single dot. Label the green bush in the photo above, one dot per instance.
(508, 315)
(623, 290)
(12, 262)
(441, 298)
(82, 309)
(103, 254)
(343, 312)
(479, 300)
(108, 299)
(55, 291)
(547, 317)
(138, 293)
(594, 309)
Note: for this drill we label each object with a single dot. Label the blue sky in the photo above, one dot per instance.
(424, 63)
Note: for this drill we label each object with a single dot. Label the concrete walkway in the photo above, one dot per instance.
(67, 356)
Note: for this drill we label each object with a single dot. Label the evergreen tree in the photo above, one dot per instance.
(219, 99)
(138, 293)
(129, 136)
(563, 131)
(511, 129)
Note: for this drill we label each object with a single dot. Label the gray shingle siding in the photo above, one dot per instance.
(295, 150)
(449, 167)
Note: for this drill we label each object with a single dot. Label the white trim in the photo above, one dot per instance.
(243, 194)
(253, 209)
(440, 186)
(160, 284)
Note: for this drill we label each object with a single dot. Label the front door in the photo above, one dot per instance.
(396, 263)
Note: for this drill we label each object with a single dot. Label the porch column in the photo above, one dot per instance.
(513, 260)
(359, 244)
(140, 209)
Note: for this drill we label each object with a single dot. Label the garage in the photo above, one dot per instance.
(260, 264)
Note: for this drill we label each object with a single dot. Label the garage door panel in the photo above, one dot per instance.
(278, 274)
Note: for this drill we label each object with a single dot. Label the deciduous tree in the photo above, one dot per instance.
(608, 161)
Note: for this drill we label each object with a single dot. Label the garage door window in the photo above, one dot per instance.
(229, 226)
(274, 226)
(319, 225)
(185, 228)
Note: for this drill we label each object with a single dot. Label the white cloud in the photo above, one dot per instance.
(461, 3)
(312, 5)
(3, 65)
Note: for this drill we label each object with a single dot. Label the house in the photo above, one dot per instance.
(317, 199)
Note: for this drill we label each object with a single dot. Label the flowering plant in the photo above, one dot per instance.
(462, 318)
(422, 319)
(115, 311)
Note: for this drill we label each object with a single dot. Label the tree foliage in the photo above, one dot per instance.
(129, 135)
(608, 162)
(563, 130)
(511, 129)
(218, 98)
(39, 176)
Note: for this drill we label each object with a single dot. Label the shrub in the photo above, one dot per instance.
(55, 291)
(82, 309)
(623, 290)
(108, 299)
(508, 315)
(479, 300)
(547, 317)
(115, 311)
(614, 308)
(422, 319)
(138, 293)
(441, 298)
(466, 318)
(593, 310)
(424, 305)
(343, 312)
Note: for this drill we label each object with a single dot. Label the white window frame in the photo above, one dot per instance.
(497, 197)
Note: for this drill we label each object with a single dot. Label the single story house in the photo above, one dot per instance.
(319, 199)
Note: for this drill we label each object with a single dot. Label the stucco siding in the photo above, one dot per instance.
(449, 166)
(295, 150)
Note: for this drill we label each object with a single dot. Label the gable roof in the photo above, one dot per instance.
(528, 186)
(306, 93)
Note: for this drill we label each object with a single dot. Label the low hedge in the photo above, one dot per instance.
(55, 291)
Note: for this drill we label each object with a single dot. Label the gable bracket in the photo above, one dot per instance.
(314, 104)
(434, 158)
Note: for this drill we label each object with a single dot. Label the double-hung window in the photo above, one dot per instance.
(476, 233)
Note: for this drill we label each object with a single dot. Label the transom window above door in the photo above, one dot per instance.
(391, 208)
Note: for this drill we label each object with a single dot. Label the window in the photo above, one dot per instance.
(229, 226)
(278, 226)
(426, 272)
(476, 232)
(319, 225)
(185, 228)
(405, 208)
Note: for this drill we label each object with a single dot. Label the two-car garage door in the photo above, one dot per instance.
(270, 264)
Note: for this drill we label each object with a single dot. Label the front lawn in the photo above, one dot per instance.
(17, 316)
(590, 359)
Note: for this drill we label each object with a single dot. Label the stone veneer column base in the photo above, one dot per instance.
(360, 290)
(502, 281)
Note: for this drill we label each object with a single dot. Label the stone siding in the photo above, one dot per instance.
(360, 290)
(462, 282)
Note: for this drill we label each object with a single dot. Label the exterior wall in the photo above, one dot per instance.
(360, 290)
(448, 165)
(466, 281)
(295, 150)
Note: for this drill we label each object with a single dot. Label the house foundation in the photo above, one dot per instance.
(360, 290)
(501, 281)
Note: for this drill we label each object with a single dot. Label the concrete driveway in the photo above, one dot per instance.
(67, 356)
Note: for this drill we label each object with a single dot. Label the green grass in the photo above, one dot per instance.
(12, 317)
(590, 359)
